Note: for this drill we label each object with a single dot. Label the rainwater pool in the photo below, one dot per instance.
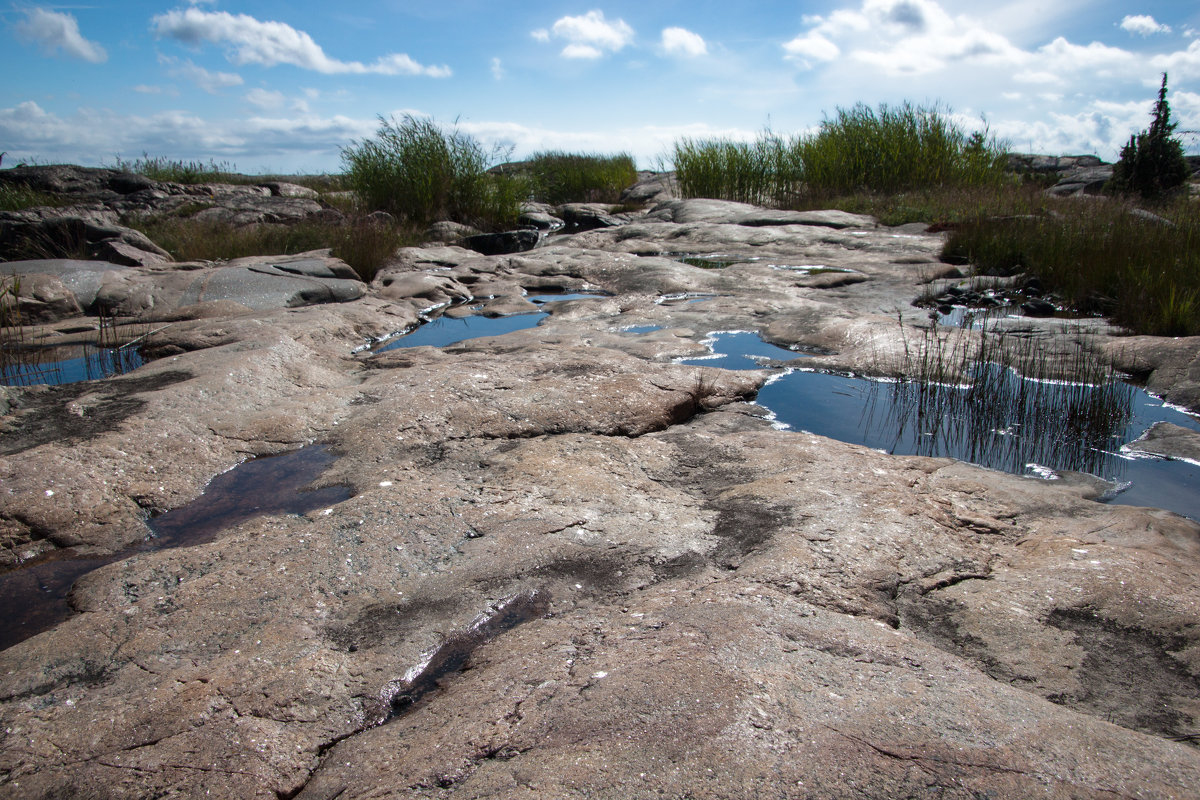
(907, 419)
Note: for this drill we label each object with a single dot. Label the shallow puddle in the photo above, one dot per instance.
(740, 350)
(35, 595)
(91, 363)
(1050, 429)
(444, 331)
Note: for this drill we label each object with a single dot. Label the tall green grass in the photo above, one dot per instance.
(424, 173)
(889, 150)
(559, 177)
(169, 170)
(17, 197)
(767, 171)
(1099, 256)
(160, 168)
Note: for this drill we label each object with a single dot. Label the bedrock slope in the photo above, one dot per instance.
(574, 568)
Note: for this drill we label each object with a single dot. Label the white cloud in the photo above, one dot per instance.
(588, 36)
(264, 98)
(497, 69)
(252, 41)
(681, 41)
(1143, 25)
(54, 31)
(900, 37)
(585, 51)
(812, 46)
(211, 82)
(91, 135)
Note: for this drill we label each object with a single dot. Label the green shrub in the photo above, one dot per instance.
(559, 177)
(422, 174)
(1152, 162)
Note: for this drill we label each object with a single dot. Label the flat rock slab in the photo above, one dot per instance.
(257, 283)
(1169, 441)
(569, 565)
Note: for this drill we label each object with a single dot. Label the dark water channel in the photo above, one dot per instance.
(1049, 429)
(35, 595)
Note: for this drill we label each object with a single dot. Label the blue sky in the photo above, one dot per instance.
(282, 86)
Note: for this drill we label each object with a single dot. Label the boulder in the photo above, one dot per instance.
(651, 188)
(587, 216)
(285, 189)
(494, 244)
(66, 234)
(448, 231)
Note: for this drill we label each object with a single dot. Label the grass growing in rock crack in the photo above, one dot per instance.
(15, 197)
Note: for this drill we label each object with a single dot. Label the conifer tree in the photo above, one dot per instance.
(1151, 162)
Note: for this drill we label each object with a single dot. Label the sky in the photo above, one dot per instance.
(283, 86)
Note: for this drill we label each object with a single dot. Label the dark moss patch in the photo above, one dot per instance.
(1129, 677)
(41, 415)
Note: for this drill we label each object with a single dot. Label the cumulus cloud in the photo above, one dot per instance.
(899, 37)
(54, 31)
(252, 41)
(211, 82)
(497, 69)
(811, 47)
(681, 41)
(588, 36)
(1143, 25)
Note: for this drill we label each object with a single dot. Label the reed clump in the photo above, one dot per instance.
(559, 177)
(887, 150)
(1008, 400)
(17, 197)
(424, 173)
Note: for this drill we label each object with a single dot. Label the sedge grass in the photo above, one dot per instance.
(1100, 256)
(858, 150)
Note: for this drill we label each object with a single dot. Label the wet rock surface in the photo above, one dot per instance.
(572, 567)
